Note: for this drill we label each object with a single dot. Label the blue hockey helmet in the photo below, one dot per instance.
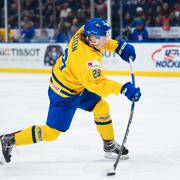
(98, 27)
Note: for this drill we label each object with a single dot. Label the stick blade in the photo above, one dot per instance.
(2, 160)
(111, 172)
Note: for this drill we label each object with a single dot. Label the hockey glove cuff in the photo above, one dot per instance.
(125, 51)
(131, 92)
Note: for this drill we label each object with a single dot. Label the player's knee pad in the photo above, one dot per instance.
(48, 133)
(101, 109)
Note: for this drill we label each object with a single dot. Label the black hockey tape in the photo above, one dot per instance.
(111, 173)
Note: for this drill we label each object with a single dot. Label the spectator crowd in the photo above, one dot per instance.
(66, 16)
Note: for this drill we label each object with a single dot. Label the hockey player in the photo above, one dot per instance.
(77, 81)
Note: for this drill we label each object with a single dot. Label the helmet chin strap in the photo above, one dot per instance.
(94, 43)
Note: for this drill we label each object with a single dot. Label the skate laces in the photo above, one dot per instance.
(9, 149)
(112, 146)
(7, 144)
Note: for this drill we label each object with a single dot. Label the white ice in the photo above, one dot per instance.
(153, 141)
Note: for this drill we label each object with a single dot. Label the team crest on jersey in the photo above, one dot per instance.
(93, 64)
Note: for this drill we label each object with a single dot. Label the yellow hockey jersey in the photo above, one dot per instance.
(81, 67)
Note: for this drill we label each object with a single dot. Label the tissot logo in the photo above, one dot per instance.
(19, 52)
(168, 56)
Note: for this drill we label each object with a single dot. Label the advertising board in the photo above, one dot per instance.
(151, 58)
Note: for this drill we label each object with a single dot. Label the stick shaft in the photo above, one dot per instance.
(130, 118)
(132, 71)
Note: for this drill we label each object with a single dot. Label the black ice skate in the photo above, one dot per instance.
(6, 146)
(112, 149)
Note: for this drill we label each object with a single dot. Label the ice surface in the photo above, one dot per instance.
(153, 141)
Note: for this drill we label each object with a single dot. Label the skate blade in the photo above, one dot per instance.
(2, 160)
(110, 155)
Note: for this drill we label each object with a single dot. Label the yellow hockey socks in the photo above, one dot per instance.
(35, 134)
(105, 128)
(103, 120)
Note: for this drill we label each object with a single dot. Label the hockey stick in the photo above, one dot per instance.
(112, 172)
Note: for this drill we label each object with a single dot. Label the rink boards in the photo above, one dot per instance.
(153, 59)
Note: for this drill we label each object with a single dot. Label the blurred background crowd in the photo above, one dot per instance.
(57, 20)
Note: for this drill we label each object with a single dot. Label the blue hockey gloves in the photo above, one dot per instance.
(125, 51)
(131, 92)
